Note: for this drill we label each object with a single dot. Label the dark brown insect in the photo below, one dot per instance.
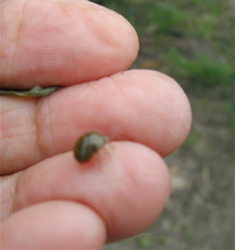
(88, 145)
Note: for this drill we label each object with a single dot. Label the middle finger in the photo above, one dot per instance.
(138, 105)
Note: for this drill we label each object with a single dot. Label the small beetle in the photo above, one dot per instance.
(88, 145)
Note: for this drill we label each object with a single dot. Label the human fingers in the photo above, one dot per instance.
(138, 105)
(60, 42)
(126, 184)
(53, 225)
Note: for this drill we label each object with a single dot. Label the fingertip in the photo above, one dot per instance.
(147, 184)
(53, 225)
(64, 46)
(161, 114)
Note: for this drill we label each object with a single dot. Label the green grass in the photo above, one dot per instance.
(166, 17)
(144, 242)
(201, 72)
(192, 139)
(178, 27)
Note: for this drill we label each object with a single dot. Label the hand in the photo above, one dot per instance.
(48, 199)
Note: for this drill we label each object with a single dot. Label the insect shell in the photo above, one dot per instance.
(88, 145)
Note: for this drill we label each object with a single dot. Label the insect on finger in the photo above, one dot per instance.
(88, 145)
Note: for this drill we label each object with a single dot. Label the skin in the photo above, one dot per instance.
(45, 193)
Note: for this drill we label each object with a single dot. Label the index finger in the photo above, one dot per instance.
(58, 42)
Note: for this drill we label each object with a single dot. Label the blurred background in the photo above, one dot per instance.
(193, 42)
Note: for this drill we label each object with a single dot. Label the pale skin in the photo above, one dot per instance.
(48, 199)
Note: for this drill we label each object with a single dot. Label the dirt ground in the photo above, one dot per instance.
(200, 212)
